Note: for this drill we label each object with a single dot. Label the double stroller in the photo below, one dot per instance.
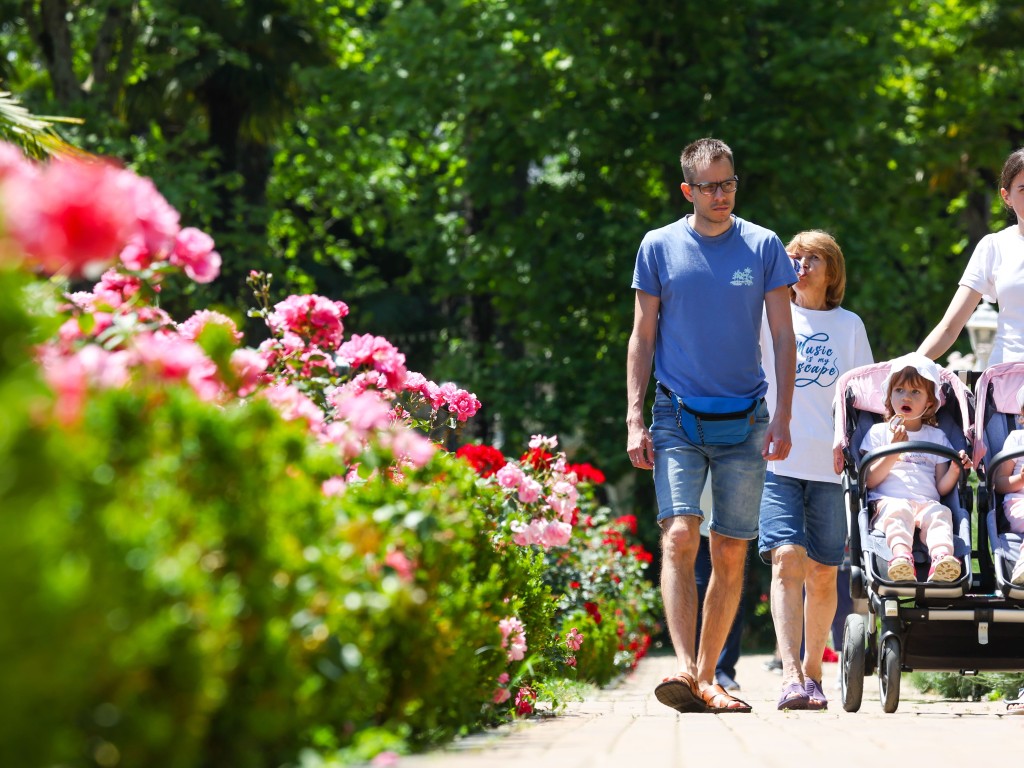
(970, 624)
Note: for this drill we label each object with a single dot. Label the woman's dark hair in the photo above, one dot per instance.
(1014, 164)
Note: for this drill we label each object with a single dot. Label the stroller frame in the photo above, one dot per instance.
(899, 627)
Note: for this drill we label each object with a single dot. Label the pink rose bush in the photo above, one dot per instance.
(540, 496)
(593, 562)
(79, 217)
(361, 385)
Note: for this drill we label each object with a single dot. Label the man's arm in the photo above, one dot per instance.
(639, 361)
(777, 442)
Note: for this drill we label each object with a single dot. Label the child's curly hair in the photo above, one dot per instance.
(912, 377)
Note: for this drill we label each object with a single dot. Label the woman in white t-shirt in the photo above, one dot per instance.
(803, 520)
(995, 272)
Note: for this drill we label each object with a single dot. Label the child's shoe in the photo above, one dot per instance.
(944, 568)
(1017, 577)
(901, 568)
(1016, 706)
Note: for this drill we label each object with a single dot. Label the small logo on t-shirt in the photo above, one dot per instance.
(743, 277)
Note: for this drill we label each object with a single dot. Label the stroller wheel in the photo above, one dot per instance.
(890, 666)
(852, 671)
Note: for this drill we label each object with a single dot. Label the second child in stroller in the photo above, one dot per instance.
(906, 487)
(1010, 481)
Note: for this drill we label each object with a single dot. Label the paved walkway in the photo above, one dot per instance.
(626, 726)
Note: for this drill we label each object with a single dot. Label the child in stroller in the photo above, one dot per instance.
(906, 487)
(1009, 481)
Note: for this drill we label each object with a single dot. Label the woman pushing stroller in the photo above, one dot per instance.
(906, 487)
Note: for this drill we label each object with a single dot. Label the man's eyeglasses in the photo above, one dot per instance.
(708, 188)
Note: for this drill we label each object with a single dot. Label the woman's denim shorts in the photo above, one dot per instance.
(807, 513)
(681, 469)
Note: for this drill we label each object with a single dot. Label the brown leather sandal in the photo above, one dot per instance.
(719, 701)
(681, 693)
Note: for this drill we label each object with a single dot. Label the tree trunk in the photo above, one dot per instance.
(55, 40)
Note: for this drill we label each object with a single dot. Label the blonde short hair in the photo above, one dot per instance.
(823, 245)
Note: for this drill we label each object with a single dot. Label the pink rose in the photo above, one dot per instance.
(193, 252)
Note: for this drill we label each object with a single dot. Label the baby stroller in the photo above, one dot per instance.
(905, 625)
(997, 417)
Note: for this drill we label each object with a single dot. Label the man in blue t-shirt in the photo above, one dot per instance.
(702, 284)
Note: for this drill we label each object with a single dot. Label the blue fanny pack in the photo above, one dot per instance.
(715, 420)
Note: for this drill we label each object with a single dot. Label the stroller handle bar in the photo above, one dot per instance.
(911, 446)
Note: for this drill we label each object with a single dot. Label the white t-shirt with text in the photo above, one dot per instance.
(828, 344)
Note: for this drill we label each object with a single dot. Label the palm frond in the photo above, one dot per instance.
(35, 134)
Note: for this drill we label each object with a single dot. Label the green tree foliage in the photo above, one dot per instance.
(189, 93)
(953, 119)
(522, 150)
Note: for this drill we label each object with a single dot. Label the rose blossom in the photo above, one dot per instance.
(333, 486)
(525, 699)
(396, 560)
(501, 695)
(556, 534)
(193, 251)
(529, 490)
(71, 216)
(312, 317)
(193, 327)
(510, 476)
(247, 365)
(574, 639)
(377, 352)
(513, 637)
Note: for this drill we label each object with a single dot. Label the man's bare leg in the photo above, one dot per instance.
(728, 560)
(679, 541)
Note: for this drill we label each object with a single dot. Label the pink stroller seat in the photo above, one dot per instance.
(997, 416)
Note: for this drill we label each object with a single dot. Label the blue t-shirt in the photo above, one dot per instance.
(712, 296)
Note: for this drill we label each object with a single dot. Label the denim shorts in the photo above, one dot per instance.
(681, 469)
(808, 513)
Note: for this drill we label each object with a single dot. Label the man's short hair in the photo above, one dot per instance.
(702, 153)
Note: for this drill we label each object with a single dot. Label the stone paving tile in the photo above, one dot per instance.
(626, 726)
